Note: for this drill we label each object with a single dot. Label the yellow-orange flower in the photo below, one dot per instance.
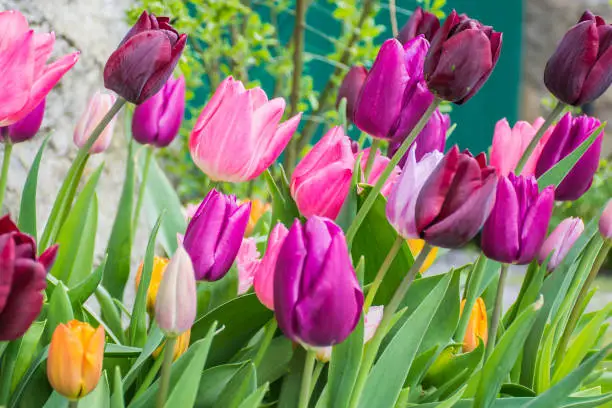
(75, 359)
(159, 266)
(181, 345)
(416, 245)
(258, 209)
(477, 326)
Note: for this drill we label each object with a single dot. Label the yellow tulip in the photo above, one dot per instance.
(75, 359)
(159, 266)
(258, 209)
(477, 326)
(416, 245)
(180, 347)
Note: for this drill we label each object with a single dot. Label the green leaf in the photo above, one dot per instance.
(117, 397)
(284, 208)
(153, 341)
(99, 397)
(449, 364)
(27, 350)
(254, 400)
(516, 390)
(290, 389)
(544, 361)
(60, 310)
(27, 210)
(84, 289)
(110, 312)
(275, 362)
(117, 350)
(242, 383)
(213, 381)
(473, 291)
(119, 247)
(31, 378)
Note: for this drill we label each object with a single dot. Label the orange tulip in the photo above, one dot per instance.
(180, 347)
(159, 266)
(416, 245)
(477, 327)
(74, 365)
(258, 209)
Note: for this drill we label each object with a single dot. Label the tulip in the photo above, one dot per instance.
(258, 209)
(605, 221)
(560, 241)
(568, 134)
(98, 107)
(263, 282)
(394, 97)
(74, 364)
(516, 228)
(214, 235)
(416, 246)
(321, 180)
(420, 22)
(238, 134)
(175, 308)
(157, 120)
(247, 262)
(159, 267)
(26, 77)
(317, 298)
(145, 59)
(462, 55)
(510, 144)
(26, 128)
(477, 328)
(23, 277)
(379, 165)
(180, 346)
(580, 70)
(432, 137)
(350, 87)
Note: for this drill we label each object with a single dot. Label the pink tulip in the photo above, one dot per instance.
(560, 241)
(238, 134)
(380, 162)
(98, 107)
(247, 262)
(509, 144)
(263, 283)
(321, 181)
(26, 78)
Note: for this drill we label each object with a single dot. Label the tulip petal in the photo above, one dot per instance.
(13, 25)
(318, 240)
(496, 42)
(92, 361)
(229, 242)
(535, 225)
(599, 78)
(7, 268)
(263, 282)
(43, 46)
(16, 78)
(500, 233)
(47, 258)
(65, 362)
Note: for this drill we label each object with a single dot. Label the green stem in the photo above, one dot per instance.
(369, 202)
(269, 331)
(73, 403)
(371, 159)
(143, 186)
(382, 271)
(473, 280)
(316, 374)
(393, 18)
(584, 291)
(362, 139)
(151, 374)
(306, 379)
(164, 382)
(497, 308)
(554, 115)
(384, 326)
(6, 160)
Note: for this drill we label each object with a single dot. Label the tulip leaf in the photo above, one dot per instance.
(154, 339)
(100, 396)
(290, 388)
(213, 381)
(284, 208)
(119, 247)
(28, 345)
(160, 195)
(254, 400)
(138, 323)
(386, 379)
(117, 350)
(34, 381)
(556, 174)
(27, 210)
(275, 361)
(60, 310)
(242, 383)
(108, 309)
(117, 396)
(472, 292)
(84, 289)
(516, 390)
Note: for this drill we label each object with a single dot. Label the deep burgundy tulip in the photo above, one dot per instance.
(350, 87)
(144, 59)
(317, 298)
(26, 128)
(568, 134)
(462, 55)
(420, 22)
(516, 228)
(23, 277)
(580, 70)
(214, 235)
(157, 121)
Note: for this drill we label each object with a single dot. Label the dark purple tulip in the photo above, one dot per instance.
(580, 70)
(567, 135)
(23, 277)
(157, 120)
(350, 88)
(214, 235)
(516, 228)
(317, 298)
(456, 199)
(145, 58)
(462, 55)
(26, 128)
(420, 22)
(432, 137)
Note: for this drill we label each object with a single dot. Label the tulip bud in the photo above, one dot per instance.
(145, 58)
(567, 135)
(462, 55)
(238, 134)
(26, 128)
(580, 70)
(74, 365)
(159, 266)
(378, 167)
(180, 346)
(477, 328)
(516, 228)
(321, 180)
(175, 308)
(99, 105)
(416, 246)
(420, 22)
(263, 282)
(605, 221)
(317, 298)
(258, 209)
(350, 87)
(247, 262)
(560, 241)
(157, 120)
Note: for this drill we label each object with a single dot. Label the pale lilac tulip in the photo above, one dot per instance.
(560, 241)
(605, 221)
(98, 107)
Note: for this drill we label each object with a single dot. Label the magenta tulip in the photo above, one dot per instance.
(26, 128)
(263, 283)
(605, 221)
(420, 22)
(350, 88)
(560, 241)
